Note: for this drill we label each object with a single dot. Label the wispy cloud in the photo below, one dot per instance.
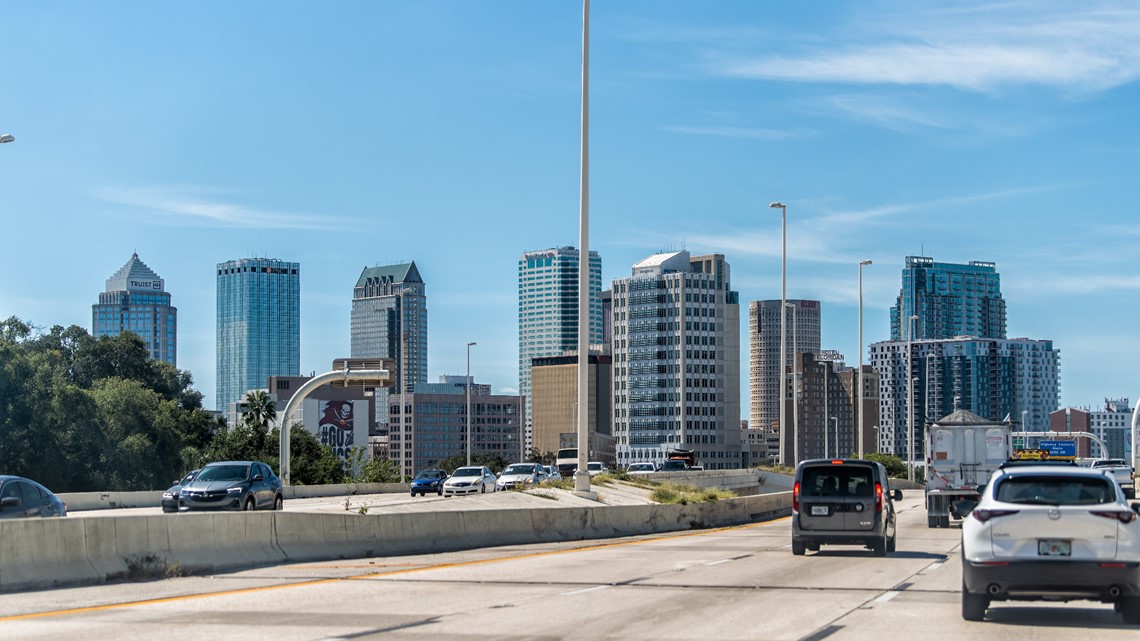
(736, 132)
(195, 207)
(1086, 46)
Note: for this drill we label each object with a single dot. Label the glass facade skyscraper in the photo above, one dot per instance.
(389, 320)
(258, 325)
(949, 299)
(548, 310)
(136, 301)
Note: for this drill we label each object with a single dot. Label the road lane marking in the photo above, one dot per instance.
(585, 590)
(887, 596)
(718, 562)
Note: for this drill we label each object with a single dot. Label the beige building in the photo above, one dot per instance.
(554, 399)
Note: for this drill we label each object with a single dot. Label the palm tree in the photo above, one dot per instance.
(260, 410)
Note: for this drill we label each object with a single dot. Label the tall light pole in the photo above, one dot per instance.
(795, 392)
(582, 474)
(826, 413)
(783, 314)
(909, 401)
(859, 372)
(835, 420)
(7, 138)
(467, 384)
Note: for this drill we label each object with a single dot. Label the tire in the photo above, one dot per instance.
(482, 488)
(1130, 609)
(931, 521)
(168, 510)
(879, 548)
(439, 492)
(974, 605)
(279, 503)
(944, 521)
(249, 505)
(798, 547)
(413, 495)
(891, 544)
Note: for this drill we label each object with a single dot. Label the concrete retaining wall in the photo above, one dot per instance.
(78, 501)
(740, 481)
(41, 553)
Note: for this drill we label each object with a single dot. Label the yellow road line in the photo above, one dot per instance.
(371, 575)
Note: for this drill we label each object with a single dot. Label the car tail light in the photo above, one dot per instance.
(878, 497)
(1119, 515)
(796, 497)
(985, 515)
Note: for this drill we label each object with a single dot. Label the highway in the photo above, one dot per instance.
(737, 583)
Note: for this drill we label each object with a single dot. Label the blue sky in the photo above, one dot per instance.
(350, 134)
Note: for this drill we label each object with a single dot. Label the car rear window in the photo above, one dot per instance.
(1055, 490)
(837, 480)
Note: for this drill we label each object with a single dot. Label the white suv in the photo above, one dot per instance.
(1051, 533)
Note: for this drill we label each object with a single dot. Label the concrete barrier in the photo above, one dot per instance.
(40, 553)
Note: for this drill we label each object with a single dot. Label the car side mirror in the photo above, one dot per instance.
(896, 495)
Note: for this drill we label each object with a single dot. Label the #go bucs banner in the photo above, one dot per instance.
(335, 424)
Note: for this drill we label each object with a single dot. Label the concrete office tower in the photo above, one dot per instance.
(949, 299)
(258, 325)
(554, 400)
(764, 354)
(548, 311)
(136, 301)
(389, 320)
(828, 422)
(992, 378)
(432, 424)
(676, 361)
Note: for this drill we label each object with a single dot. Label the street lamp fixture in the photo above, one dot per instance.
(783, 315)
(467, 384)
(859, 372)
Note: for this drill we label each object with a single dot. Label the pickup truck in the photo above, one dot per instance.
(1122, 471)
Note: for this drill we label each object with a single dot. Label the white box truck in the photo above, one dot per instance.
(962, 451)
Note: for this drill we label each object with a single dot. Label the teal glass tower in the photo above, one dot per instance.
(950, 300)
(258, 325)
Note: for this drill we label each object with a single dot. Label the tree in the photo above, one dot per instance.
(895, 466)
(494, 461)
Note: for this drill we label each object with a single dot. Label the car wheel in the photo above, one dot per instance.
(931, 521)
(1130, 609)
(439, 492)
(249, 505)
(973, 605)
(168, 510)
(279, 503)
(891, 544)
(798, 547)
(879, 548)
(413, 495)
(482, 488)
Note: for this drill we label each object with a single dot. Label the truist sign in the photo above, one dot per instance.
(146, 285)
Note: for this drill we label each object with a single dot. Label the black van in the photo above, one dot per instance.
(845, 502)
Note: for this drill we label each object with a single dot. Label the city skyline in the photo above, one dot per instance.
(889, 130)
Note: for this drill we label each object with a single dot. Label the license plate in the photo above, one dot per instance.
(819, 510)
(1054, 547)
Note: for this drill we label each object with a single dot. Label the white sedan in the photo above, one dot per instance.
(1051, 533)
(641, 468)
(474, 479)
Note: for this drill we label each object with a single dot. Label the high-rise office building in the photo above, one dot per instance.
(993, 378)
(136, 301)
(389, 320)
(949, 299)
(554, 405)
(676, 360)
(431, 424)
(258, 325)
(827, 412)
(802, 336)
(548, 310)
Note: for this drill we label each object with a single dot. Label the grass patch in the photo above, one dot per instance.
(778, 469)
(668, 493)
(560, 484)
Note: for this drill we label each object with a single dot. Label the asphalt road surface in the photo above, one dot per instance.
(737, 583)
